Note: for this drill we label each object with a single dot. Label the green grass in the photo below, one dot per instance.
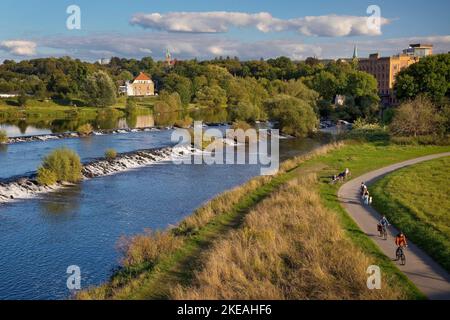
(362, 158)
(146, 281)
(416, 200)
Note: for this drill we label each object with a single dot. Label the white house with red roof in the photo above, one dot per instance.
(141, 86)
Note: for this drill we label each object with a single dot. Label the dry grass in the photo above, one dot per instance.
(148, 247)
(289, 247)
(142, 254)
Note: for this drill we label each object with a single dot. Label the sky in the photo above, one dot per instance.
(249, 29)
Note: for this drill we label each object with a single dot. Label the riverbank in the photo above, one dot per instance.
(27, 187)
(416, 200)
(154, 265)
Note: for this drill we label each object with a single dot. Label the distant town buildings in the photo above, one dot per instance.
(141, 86)
(104, 61)
(385, 69)
(419, 50)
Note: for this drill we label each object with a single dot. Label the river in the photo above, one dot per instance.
(81, 225)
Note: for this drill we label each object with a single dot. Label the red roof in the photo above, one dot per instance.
(143, 76)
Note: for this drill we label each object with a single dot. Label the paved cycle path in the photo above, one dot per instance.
(425, 273)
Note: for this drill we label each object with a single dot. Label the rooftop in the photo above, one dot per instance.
(143, 77)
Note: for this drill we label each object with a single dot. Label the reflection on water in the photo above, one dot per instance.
(3, 148)
(103, 121)
(62, 204)
(109, 119)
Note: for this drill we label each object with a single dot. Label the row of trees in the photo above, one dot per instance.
(280, 89)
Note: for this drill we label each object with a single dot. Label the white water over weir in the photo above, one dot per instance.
(27, 187)
(67, 135)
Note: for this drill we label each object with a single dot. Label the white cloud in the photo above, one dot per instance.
(182, 46)
(19, 47)
(206, 46)
(222, 21)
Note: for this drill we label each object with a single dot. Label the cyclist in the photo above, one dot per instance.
(400, 242)
(383, 224)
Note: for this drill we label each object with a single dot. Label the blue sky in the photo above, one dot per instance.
(38, 28)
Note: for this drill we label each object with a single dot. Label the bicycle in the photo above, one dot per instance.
(401, 255)
(383, 231)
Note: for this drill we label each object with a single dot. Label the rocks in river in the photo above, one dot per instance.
(67, 135)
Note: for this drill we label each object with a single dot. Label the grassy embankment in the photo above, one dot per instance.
(416, 200)
(163, 265)
(49, 109)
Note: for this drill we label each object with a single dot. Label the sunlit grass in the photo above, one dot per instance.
(416, 199)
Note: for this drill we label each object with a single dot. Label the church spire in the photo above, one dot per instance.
(355, 52)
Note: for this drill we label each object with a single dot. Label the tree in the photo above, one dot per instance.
(326, 84)
(100, 90)
(168, 102)
(125, 75)
(294, 116)
(245, 111)
(212, 97)
(417, 117)
(430, 76)
(182, 85)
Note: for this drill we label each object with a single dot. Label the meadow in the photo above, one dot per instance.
(416, 200)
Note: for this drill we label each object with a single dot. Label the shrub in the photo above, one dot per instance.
(85, 129)
(110, 154)
(370, 134)
(61, 165)
(3, 136)
(422, 140)
(46, 177)
(416, 118)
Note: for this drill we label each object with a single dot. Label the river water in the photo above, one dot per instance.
(81, 225)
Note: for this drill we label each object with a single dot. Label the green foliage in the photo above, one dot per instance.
(168, 102)
(131, 105)
(179, 84)
(415, 199)
(246, 111)
(85, 129)
(294, 116)
(430, 76)
(100, 90)
(62, 165)
(46, 177)
(427, 140)
(110, 154)
(3, 136)
(211, 97)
